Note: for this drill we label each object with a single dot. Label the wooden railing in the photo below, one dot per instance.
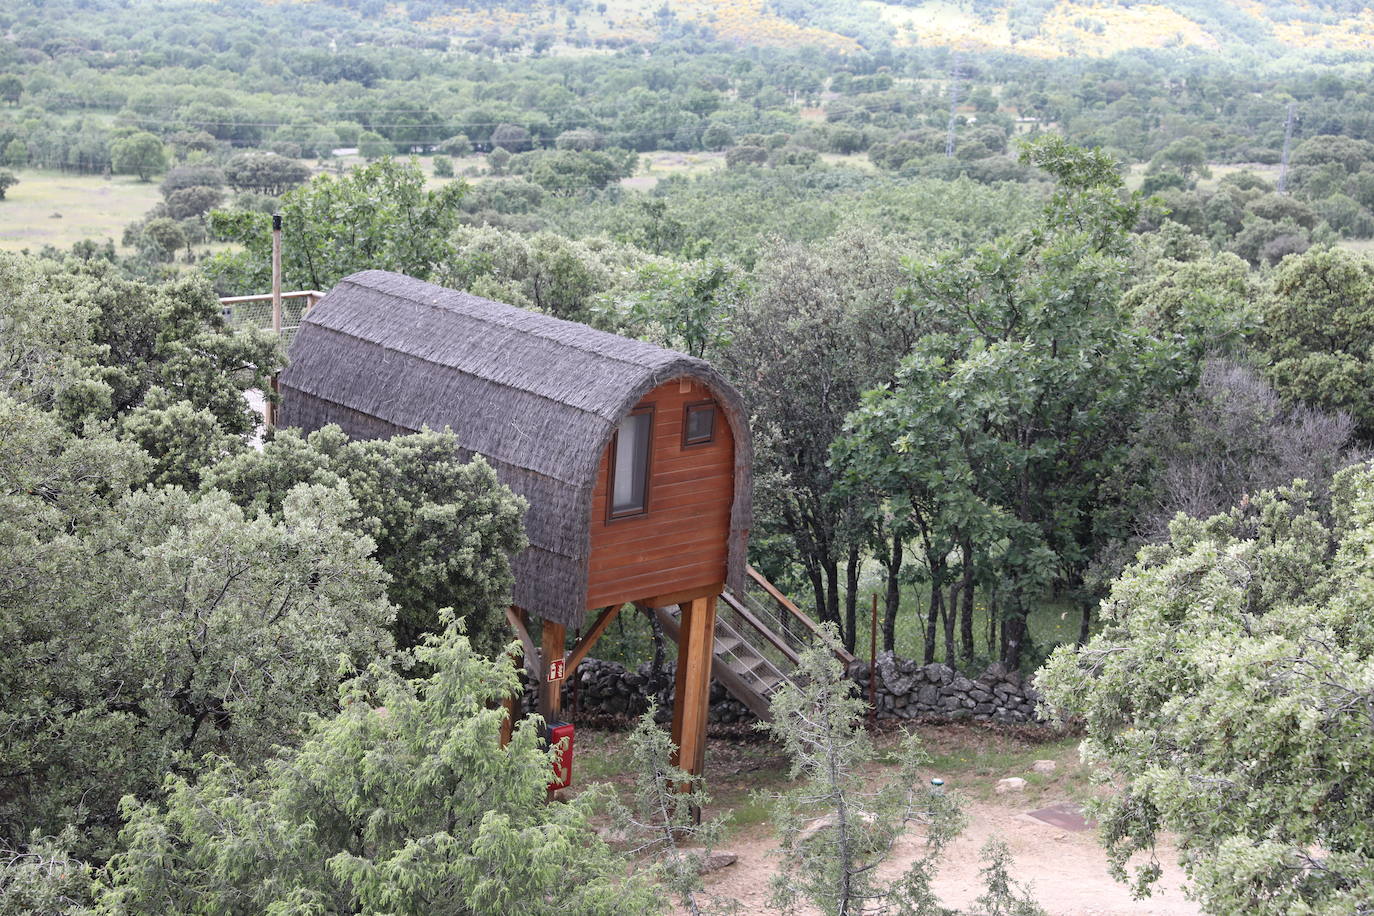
(785, 617)
(257, 311)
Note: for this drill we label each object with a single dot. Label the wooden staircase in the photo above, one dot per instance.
(759, 638)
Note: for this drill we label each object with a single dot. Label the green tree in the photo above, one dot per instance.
(662, 832)
(1011, 414)
(1318, 333)
(1228, 696)
(264, 173)
(377, 216)
(443, 167)
(835, 829)
(168, 627)
(16, 153)
(820, 328)
(1186, 157)
(11, 88)
(403, 803)
(687, 306)
(164, 237)
(372, 146)
(140, 153)
(193, 202)
(7, 180)
(444, 528)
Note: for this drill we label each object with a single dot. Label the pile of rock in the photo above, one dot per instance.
(907, 690)
(609, 690)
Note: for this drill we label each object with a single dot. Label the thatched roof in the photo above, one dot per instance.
(539, 398)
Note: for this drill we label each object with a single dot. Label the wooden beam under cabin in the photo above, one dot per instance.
(551, 692)
(515, 616)
(692, 695)
(584, 645)
(684, 596)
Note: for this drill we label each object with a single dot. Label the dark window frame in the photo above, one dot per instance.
(686, 417)
(611, 514)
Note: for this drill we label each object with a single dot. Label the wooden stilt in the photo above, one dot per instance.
(692, 696)
(551, 692)
(511, 704)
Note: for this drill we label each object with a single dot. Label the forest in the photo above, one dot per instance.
(1056, 336)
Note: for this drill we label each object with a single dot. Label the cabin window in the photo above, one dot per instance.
(699, 423)
(630, 464)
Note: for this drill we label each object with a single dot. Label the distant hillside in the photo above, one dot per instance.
(1042, 28)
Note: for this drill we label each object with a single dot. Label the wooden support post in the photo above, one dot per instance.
(270, 411)
(692, 696)
(584, 645)
(551, 692)
(529, 660)
(512, 706)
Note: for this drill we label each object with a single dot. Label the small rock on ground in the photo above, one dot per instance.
(716, 861)
(1010, 784)
(1044, 766)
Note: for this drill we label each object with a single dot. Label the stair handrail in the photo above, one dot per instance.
(841, 653)
(763, 629)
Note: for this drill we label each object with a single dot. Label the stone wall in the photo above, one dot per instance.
(905, 690)
(606, 690)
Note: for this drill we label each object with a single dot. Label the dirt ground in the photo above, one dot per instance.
(1066, 869)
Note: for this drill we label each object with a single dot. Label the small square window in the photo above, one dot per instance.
(699, 423)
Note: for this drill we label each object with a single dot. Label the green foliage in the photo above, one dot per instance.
(443, 167)
(1318, 333)
(264, 173)
(1209, 305)
(574, 280)
(181, 440)
(403, 803)
(689, 306)
(16, 153)
(373, 146)
(167, 626)
(1003, 896)
(660, 827)
(819, 328)
(7, 180)
(1228, 697)
(378, 216)
(44, 878)
(115, 339)
(444, 528)
(140, 153)
(1013, 410)
(835, 830)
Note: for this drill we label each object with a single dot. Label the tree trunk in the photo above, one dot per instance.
(1085, 624)
(894, 595)
(851, 598)
(966, 612)
(933, 615)
(832, 597)
(994, 617)
(951, 611)
(1013, 633)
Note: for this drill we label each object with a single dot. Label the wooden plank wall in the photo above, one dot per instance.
(681, 542)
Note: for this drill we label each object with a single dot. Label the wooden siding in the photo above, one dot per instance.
(681, 541)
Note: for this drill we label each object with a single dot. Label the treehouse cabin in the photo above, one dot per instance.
(634, 459)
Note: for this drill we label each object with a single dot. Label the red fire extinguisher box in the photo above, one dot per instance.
(559, 736)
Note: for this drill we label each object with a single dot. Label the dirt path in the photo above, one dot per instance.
(1067, 870)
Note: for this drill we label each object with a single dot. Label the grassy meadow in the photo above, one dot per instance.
(57, 208)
